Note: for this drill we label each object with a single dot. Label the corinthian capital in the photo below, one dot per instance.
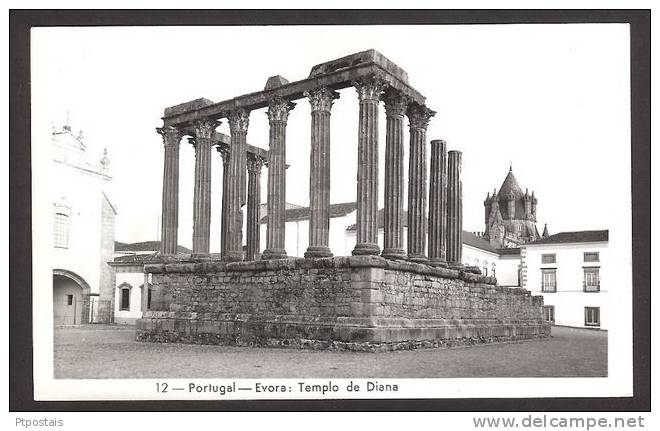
(223, 149)
(171, 136)
(278, 109)
(321, 99)
(396, 102)
(419, 116)
(205, 128)
(239, 121)
(255, 163)
(369, 88)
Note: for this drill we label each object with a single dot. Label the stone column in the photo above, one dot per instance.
(319, 173)
(170, 209)
(438, 204)
(454, 210)
(278, 114)
(254, 165)
(395, 108)
(369, 90)
(236, 172)
(223, 149)
(419, 117)
(204, 131)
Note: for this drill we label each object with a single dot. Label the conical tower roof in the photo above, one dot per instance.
(510, 185)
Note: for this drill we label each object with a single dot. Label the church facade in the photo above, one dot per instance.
(83, 232)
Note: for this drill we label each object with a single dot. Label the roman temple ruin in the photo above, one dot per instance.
(403, 296)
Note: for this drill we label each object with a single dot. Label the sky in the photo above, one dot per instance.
(550, 100)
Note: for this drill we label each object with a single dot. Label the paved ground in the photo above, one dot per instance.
(98, 351)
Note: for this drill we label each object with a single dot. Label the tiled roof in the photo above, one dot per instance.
(136, 258)
(381, 220)
(302, 213)
(146, 246)
(472, 240)
(579, 236)
(513, 251)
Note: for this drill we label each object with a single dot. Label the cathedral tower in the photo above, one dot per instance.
(510, 215)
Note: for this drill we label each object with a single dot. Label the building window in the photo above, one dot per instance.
(485, 268)
(61, 233)
(591, 316)
(591, 281)
(149, 299)
(549, 258)
(591, 256)
(549, 280)
(125, 299)
(493, 270)
(69, 300)
(549, 313)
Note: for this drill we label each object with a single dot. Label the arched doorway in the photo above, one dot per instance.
(70, 298)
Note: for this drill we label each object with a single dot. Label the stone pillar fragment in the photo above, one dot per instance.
(454, 210)
(170, 206)
(254, 165)
(438, 204)
(319, 172)
(204, 131)
(369, 90)
(419, 117)
(278, 114)
(223, 149)
(236, 175)
(395, 109)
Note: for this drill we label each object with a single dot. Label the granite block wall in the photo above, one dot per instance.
(356, 302)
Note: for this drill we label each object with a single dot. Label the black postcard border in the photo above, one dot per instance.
(20, 250)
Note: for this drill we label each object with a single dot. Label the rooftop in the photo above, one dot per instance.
(572, 237)
(302, 213)
(145, 246)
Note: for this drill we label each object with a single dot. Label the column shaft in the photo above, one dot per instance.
(369, 91)
(278, 113)
(204, 132)
(170, 203)
(417, 224)
(438, 204)
(319, 173)
(395, 108)
(254, 165)
(236, 173)
(454, 209)
(223, 149)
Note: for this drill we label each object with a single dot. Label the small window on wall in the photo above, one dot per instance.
(591, 316)
(493, 271)
(549, 313)
(548, 280)
(149, 299)
(591, 280)
(61, 232)
(485, 269)
(549, 258)
(69, 300)
(125, 299)
(592, 256)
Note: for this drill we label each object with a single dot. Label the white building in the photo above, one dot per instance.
(570, 270)
(83, 232)
(129, 261)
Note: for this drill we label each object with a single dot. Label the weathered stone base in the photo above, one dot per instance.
(359, 334)
(362, 303)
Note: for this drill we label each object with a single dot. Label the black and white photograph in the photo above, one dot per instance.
(319, 212)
